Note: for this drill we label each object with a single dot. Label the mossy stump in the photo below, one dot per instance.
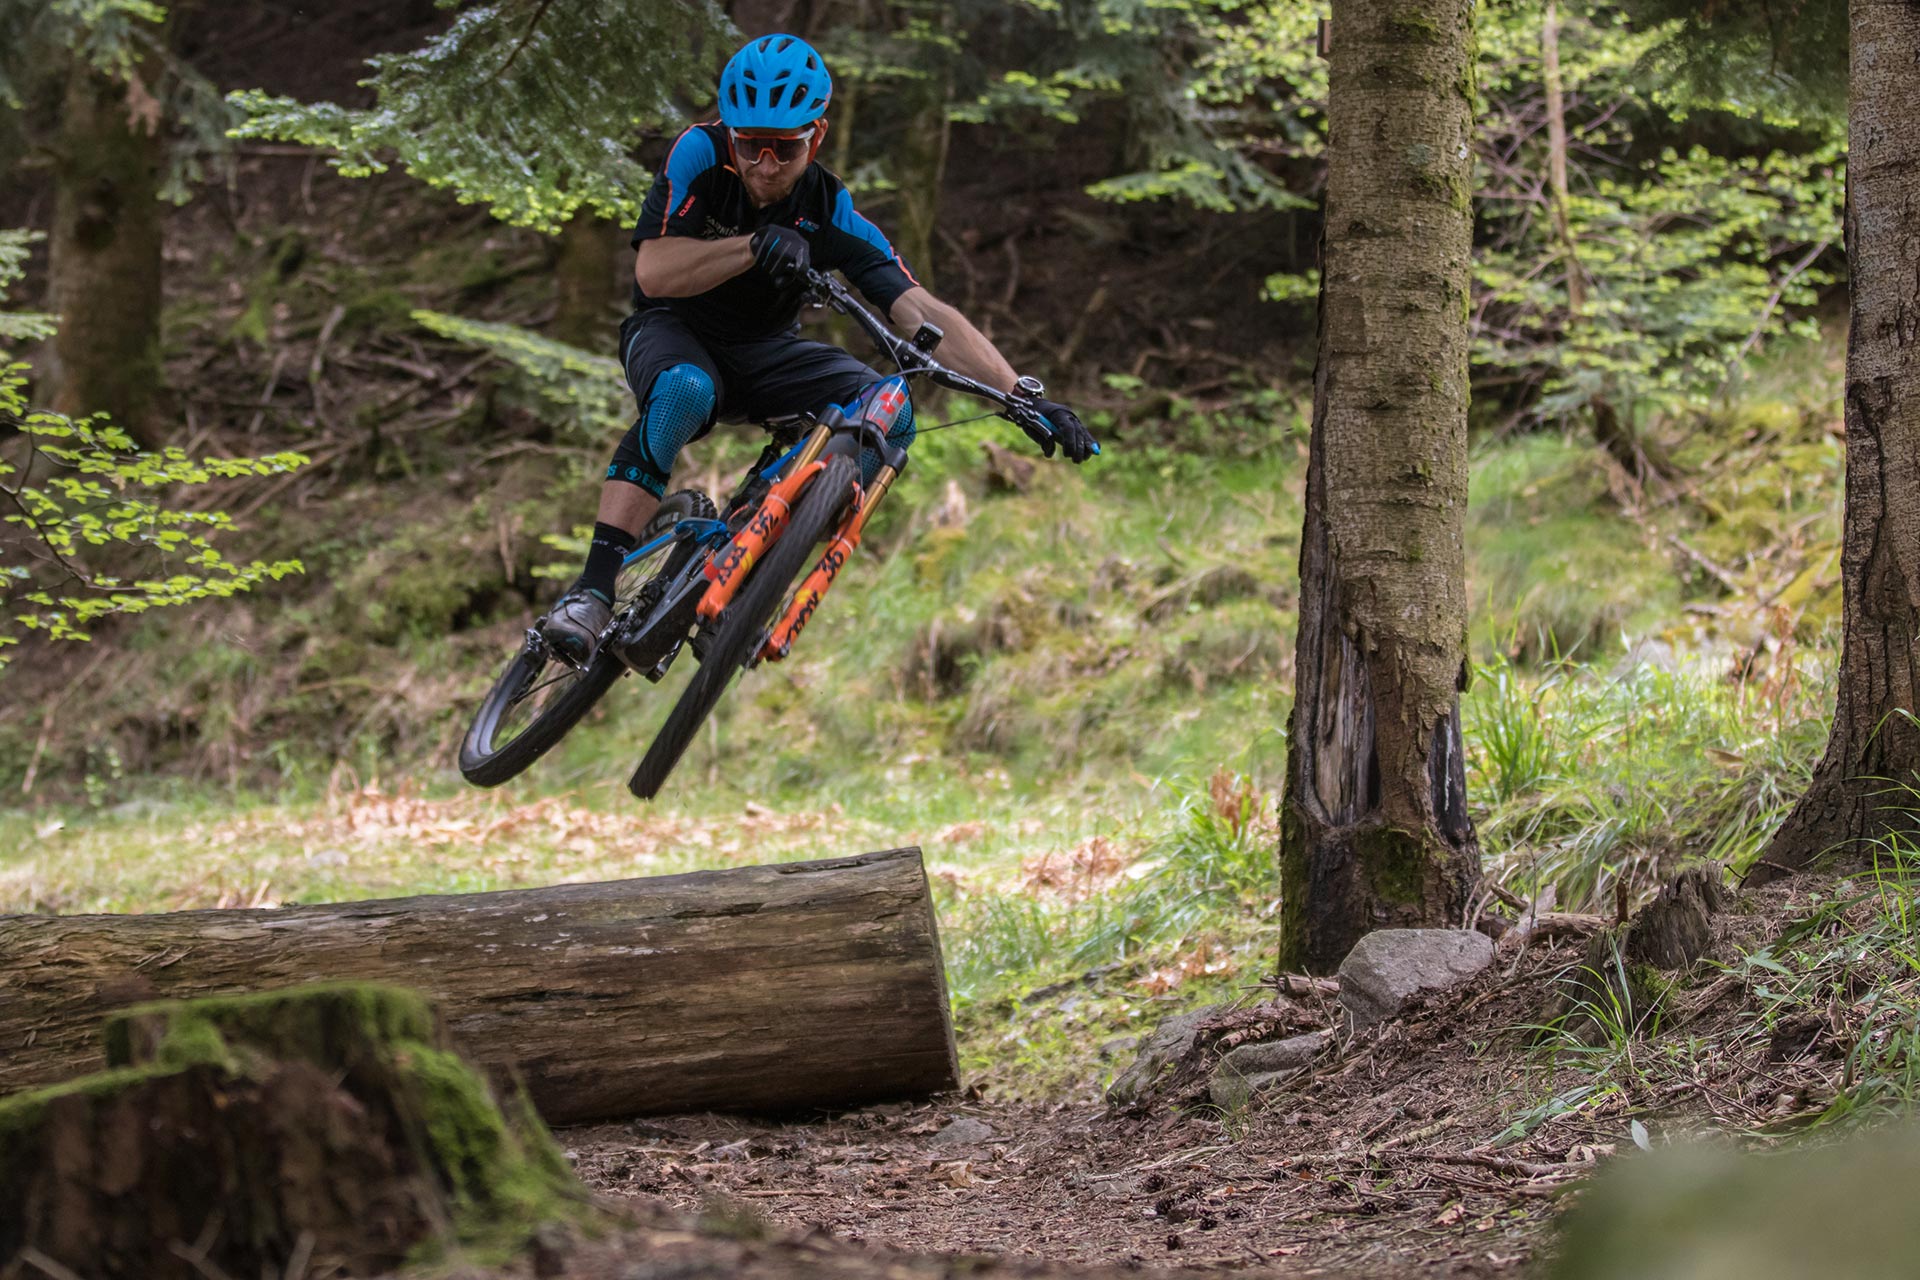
(328, 1129)
(1620, 983)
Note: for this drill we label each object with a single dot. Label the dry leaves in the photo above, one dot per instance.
(1207, 958)
(1089, 868)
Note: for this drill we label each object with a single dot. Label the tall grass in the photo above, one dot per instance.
(1824, 1029)
(1210, 873)
(1589, 777)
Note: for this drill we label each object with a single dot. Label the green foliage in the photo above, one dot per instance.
(19, 326)
(109, 35)
(1784, 59)
(576, 390)
(1688, 258)
(125, 40)
(1589, 778)
(525, 106)
(1688, 264)
(1207, 89)
(85, 496)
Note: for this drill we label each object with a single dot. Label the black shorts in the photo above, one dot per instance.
(752, 381)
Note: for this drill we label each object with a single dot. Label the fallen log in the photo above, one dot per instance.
(757, 989)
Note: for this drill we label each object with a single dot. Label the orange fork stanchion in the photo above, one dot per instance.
(728, 569)
(839, 551)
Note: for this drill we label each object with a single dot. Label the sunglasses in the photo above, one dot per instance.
(752, 148)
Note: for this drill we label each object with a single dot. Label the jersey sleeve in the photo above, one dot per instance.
(676, 203)
(854, 246)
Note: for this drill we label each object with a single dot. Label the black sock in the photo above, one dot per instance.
(610, 547)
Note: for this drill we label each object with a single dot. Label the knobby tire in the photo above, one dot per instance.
(487, 764)
(767, 589)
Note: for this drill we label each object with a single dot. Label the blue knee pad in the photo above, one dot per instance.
(679, 406)
(900, 436)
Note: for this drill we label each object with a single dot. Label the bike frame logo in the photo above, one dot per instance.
(780, 642)
(887, 403)
(766, 525)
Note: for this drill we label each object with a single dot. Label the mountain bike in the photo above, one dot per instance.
(721, 582)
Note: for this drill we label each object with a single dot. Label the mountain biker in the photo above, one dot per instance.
(738, 213)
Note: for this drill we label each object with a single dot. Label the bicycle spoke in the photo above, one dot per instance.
(566, 674)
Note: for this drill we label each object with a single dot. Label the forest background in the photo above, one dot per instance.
(1069, 687)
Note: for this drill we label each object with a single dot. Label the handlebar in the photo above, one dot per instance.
(824, 290)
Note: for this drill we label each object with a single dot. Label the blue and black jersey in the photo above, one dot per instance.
(699, 193)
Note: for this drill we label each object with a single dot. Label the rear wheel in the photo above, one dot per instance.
(539, 697)
(743, 627)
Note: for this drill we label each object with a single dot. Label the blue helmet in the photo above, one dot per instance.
(775, 82)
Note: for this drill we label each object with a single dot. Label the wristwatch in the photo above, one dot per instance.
(1029, 387)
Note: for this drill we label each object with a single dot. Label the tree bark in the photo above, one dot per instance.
(761, 989)
(1374, 830)
(586, 281)
(373, 1135)
(922, 156)
(1638, 457)
(1557, 191)
(1857, 793)
(104, 252)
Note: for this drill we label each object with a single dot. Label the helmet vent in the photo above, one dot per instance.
(776, 82)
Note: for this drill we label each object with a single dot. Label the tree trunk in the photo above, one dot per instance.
(1642, 460)
(1374, 830)
(586, 282)
(922, 155)
(1557, 159)
(104, 253)
(761, 989)
(373, 1136)
(1873, 749)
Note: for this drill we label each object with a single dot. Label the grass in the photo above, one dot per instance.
(1073, 698)
(1814, 1026)
(1591, 775)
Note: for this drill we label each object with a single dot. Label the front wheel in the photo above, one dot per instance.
(539, 697)
(743, 627)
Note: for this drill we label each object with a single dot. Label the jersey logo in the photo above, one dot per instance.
(717, 230)
(682, 212)
(806, 224)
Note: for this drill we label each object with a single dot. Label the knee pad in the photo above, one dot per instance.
(900, 436)
(679, 406)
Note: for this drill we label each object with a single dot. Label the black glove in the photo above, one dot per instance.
(783, 254)
(1069, 433)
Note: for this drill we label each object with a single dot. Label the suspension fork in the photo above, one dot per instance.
(729, 567)
(780, 641)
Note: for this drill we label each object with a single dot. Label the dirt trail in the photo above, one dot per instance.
(1380, 1164)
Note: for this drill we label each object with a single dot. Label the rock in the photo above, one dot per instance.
(334, 1122)
(963, 1132)
(551, 1248)
(1231, 1091)
(1389, 967)
(1832, 1212)
(1254, 1068)
(1168, 1044)
(1274, 1055)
